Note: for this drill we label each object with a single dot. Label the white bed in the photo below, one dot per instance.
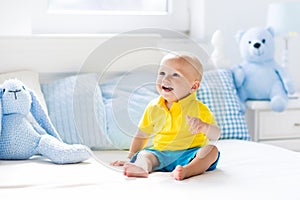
(246, 170)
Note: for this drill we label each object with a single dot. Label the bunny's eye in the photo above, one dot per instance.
(3, 90)
(23, 87)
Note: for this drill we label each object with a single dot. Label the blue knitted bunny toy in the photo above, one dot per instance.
(21, 139)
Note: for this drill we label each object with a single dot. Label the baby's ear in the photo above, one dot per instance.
(195, 86)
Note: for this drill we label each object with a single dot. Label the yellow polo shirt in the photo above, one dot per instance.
(170, 128)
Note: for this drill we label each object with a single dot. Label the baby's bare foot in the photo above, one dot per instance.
(132, 170)
(178, 173)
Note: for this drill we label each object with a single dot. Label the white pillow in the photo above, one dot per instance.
(30, 79)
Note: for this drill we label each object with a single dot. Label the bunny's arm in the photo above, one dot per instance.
(41, 117)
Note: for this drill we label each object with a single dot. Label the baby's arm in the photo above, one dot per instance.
(211, 131)
(139, 142)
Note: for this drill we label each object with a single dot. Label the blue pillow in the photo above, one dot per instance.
(76, 108)
(218, 92)
(125, 97)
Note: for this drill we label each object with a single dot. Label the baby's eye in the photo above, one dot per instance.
(162, 73)
(176, 75)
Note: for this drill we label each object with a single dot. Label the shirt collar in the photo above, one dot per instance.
(182, 102)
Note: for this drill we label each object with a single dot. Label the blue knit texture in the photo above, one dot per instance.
(22, 138)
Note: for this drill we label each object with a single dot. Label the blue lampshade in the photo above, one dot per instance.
(284, 18)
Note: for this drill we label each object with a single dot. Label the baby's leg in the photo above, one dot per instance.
(144, 164)
(205, 157)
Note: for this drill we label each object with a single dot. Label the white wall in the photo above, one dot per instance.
(207, 16)
(231, 16)
(15, 17)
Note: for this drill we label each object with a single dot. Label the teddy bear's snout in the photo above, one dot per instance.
(15, 93)
(257, 45)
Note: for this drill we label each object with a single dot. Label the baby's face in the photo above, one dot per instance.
(176, 80)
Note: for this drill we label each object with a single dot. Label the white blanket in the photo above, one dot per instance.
(246, 170)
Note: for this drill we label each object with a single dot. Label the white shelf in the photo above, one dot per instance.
(277, 128)
(265, 105)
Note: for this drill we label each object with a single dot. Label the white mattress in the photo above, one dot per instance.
(246, 170)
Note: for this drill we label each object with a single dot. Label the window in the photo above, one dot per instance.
(126, 7)
(108, 16)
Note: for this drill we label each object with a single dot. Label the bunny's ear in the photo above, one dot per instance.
(41, 116)
(1, 94)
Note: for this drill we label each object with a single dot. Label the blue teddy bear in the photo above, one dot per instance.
(259, 76)
(20, 138)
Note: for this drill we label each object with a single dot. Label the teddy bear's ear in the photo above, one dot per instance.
(239, 35)
(271, 30)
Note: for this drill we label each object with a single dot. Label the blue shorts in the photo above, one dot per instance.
(168, 160)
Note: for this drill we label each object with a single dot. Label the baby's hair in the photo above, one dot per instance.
(188, 57)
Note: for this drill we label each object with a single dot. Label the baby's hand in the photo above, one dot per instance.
(119, 162)
(196, 125)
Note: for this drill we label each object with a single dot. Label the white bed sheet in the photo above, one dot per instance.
(246, 170)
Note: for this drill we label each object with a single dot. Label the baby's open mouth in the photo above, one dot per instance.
(167, 89)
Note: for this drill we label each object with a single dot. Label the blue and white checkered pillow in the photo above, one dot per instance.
(76, 109)
(218, 92)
